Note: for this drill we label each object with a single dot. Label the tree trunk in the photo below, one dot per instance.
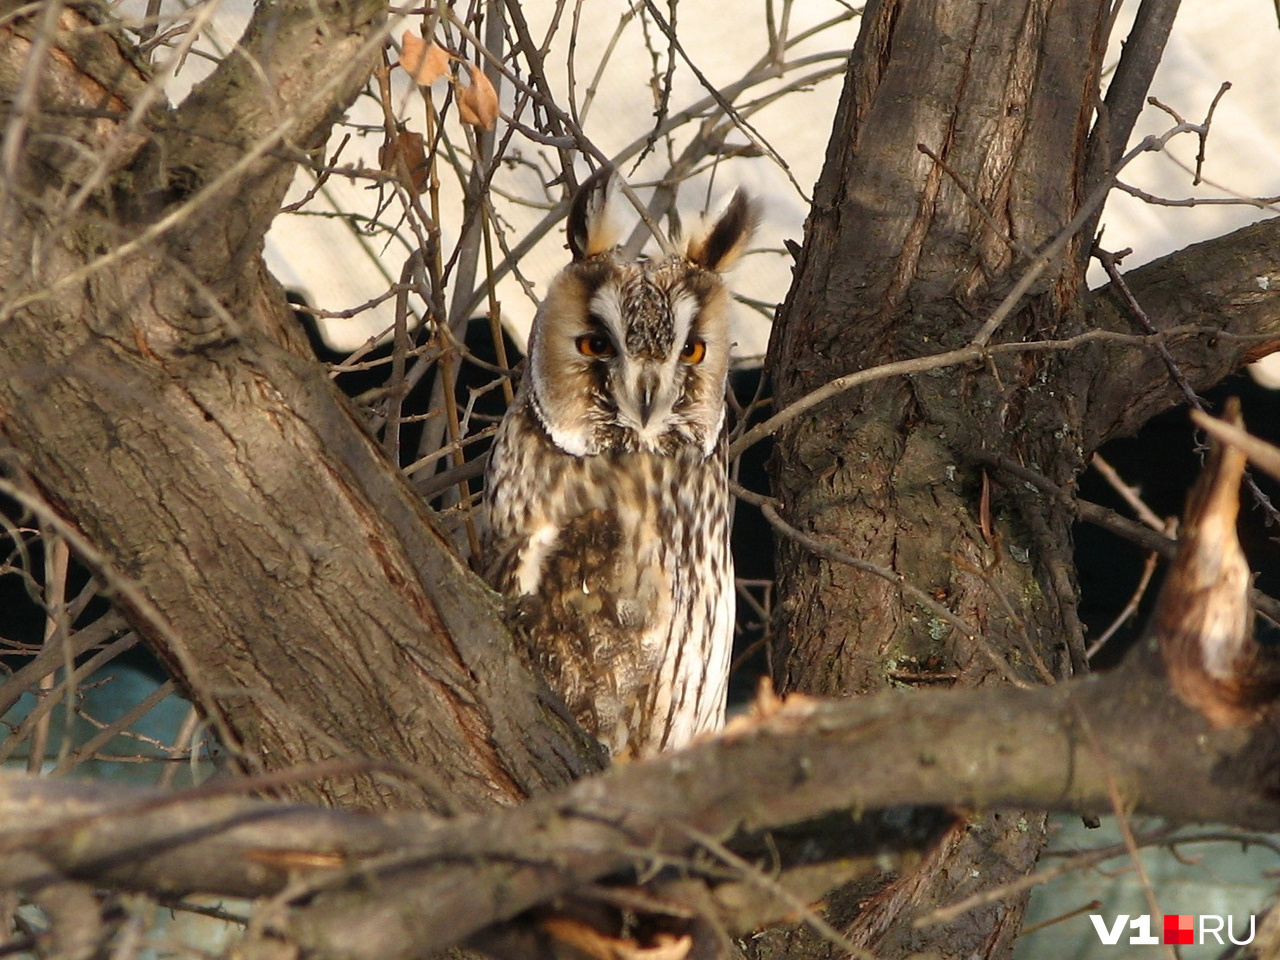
(154, 386)
(960, 152)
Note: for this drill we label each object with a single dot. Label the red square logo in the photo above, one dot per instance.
(1179, 928)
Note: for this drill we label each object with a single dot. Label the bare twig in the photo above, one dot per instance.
(949, 358)
(1262, 203)
(1130, 608)
(997, 230)
(1131, 495)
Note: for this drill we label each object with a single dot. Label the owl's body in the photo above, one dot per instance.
(600, 550)
(607, 490)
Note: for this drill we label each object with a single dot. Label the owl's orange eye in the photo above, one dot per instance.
(693, 352)
(597, 346)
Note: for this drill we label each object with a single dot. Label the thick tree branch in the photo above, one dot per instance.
(298, 65)
(400, 885)
(1231, 281)
(1126, 95)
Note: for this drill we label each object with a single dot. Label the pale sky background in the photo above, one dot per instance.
(1229, 40)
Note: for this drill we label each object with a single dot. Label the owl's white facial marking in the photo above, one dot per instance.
(647, 376)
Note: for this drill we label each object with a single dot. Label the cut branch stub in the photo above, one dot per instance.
(1203, 619)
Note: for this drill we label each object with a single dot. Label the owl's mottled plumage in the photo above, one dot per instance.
(607, 491)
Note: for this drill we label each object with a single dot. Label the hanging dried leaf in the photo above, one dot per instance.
(587, 941)
(1203, 618)
(424, 62)
(411, 148)
(478, 101)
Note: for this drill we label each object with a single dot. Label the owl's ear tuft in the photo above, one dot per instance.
(719, 246)
(591, 229)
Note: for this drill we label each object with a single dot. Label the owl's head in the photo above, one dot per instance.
(633, 355)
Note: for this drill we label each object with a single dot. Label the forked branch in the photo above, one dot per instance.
(407, 884)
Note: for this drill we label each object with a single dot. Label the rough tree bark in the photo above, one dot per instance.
(158, 391)
(962, 149)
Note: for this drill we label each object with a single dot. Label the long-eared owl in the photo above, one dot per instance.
(607, 494)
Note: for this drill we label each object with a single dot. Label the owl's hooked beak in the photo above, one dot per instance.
(644, 398)
(647, 390)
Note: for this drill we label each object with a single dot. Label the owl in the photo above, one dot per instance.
(606, 493)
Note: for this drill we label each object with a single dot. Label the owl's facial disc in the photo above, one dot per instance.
(631, 357)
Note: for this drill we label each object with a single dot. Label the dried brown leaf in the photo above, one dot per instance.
(768, 706)
(666, 946)
(424, 62)
(296, 859)
(408, 146)
(478, 101)
(587, 940)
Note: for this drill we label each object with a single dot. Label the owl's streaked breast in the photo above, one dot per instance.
(597, 553)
